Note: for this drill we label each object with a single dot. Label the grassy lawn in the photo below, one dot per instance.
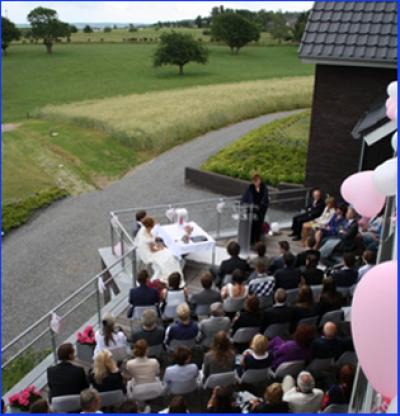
(32, 79)
(277, 150)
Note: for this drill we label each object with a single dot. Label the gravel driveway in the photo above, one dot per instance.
(56, 252)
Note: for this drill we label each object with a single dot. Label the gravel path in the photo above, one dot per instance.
(56, 252)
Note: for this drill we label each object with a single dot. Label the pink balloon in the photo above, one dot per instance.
(374, 326)
(359, 191)
(391, 108)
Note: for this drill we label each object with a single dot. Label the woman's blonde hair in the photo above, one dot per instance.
(274, 393)
(259, 344)
(103, 365)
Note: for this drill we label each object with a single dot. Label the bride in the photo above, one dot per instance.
(152, 252)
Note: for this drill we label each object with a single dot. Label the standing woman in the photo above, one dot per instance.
(257, 195)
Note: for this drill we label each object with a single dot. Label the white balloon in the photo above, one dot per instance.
(275, 227)
(392, 89)
(394, 141)
(385, 177)
(393, 406)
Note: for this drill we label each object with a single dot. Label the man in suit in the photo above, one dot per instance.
(349, 233)
(137, 224)
(301, 257)
(346, 276)
(289, 276)
(142, 295)
(211, 326)
(313, 210)
(66, 378)
(277, 263)
(208, 295)
(328, 345)
(280, 312)
(310, 273)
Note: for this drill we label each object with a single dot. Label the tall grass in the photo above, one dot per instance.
(159, 120)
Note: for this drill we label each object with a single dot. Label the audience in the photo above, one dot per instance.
(260, 283)
(222, 401)
(330, 299)
(371, 233)
(277, 263)
(280, 312)
(150, 331)
(299, 348)
(105, 375)
(207, 296)
(178, 405)
(304, 306)
(331, 229)
(90, 401)
(236, 289)
(109, 337)
(369, 261)
(347, 276)
(257, 356)
(39, 406)
(141, 368)
(220, 358)
(173, 295)
(128, 406)
(261, 250)
(142, 295)
(66, 378)
(328, 345)
(310, 274)
(304, 398)
(184, 328)
(340, 392)
(251, 316)
(273, 401)
(289, 276)
(182, 371)
(302, 256)
(217, 322)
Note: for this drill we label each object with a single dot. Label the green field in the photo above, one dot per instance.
(31, 78)
(277, 151)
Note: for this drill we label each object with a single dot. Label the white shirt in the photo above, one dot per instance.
(119, 340)
(304, 402)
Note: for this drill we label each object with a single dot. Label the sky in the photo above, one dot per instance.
(137, 12)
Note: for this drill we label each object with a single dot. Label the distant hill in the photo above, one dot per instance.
(96, 25)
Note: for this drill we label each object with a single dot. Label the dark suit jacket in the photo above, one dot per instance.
(249, 198)
(345, 277)
(113, 381)
(231, 264)
(287, 278)
(348, 238)
(301, 257)
(312, 276)
(314, 210)
(278, 315)
(247, 319)
(143, 296)
(206, 297)
(66, 378)
(327, 348)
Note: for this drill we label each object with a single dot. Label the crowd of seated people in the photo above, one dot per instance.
(291, 294)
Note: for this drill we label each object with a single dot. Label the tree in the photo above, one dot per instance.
(87, 29)
(199, 22)
(132, 28)
(235, 30)
(45, 25)
(9, 32)
(179, 49)
(73, 29)
(279, 28)
(107, 29)
(300, 25)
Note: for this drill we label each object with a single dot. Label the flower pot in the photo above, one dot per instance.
(84, 352)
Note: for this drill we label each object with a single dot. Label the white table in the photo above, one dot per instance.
(172, 235)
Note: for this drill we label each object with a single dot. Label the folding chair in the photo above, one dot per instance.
(291, 368)
(291, 296)
(220, 379)
(278, 330)
(233, 305)
(332, 316)
(66, 404)
(112, 398)
(255, 376)
(245, 335)
(312, 320)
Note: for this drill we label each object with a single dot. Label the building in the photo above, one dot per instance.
(354, 47)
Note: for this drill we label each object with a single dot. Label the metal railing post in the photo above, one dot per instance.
(121, 238)
(98, 302)
(112, 237)
(53, 345)
(134, 269)
(218, 222)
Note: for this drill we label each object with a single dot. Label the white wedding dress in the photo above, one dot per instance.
(163, 261)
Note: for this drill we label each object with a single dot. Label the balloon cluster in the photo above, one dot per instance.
(374, 308)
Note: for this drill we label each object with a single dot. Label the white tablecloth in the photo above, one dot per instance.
(172, 236)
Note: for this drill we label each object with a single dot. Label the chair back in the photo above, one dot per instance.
(175, 343)
(66, 404)
(316, 291)
(332, 316)
(233, 304)
(174, 299)
(255, 376)
(202, 310)
(155, 351)
(266, 301)
(145, 391)
(183, 386)
(348, 357)
(291, 368)
(119, 353)
(336, 408)
(227, 279)
(245, 335)
(292, 295)
(312, 320)
(112, 398)
(278, 330)
(320, 364)
(139, 310)
(220, 379)
(345, 291)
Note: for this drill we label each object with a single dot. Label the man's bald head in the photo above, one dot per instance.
(330, 330)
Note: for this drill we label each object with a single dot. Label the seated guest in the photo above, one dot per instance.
(331, 299)
(260, 283)
(233, 263)
(369, 260)
(289, 276)
(321, 221)
(251, 316)
(304, 307)
(208, 328)
(177, 405)
(277, 262)
(109, 336)
(128, 406)
(304, 398)
(174, 294)
(39, 406)
(371, 233)
(273, 401)
(66, 378)
(340, 392)
(142, 295)
(222, 401)
(313, 210)
(261, 250)
(328, 345)
(257, 356)
(297, 349)
(182, 370)
(90, 401)
(301, 257)
(208, 295)
(237, 289)
(347, 275)
(184, 328)
(280, 312)
(221, 357)
(150, 331)
(105, 375)
(137, 224)
(333, 227)
(310, 274)
(141, 368)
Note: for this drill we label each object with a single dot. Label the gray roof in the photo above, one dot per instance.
(351, 33)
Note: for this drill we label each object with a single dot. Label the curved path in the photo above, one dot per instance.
(56, 252)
